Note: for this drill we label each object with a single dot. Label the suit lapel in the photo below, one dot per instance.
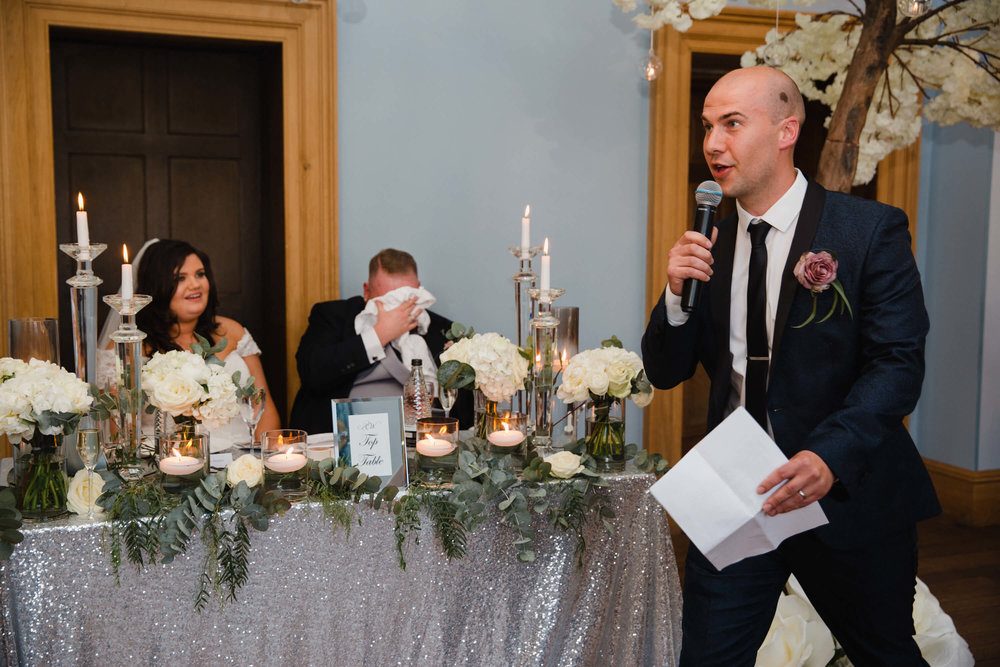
(805, 232)
(722, 278)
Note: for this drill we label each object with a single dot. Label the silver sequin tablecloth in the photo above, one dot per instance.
(316, 597)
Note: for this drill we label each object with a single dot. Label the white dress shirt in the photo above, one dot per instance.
(783, 216)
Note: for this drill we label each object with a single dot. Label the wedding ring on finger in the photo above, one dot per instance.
(801, 493)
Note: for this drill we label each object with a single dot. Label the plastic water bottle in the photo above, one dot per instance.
(416, 401)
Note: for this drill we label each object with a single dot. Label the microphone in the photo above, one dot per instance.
(707, 196)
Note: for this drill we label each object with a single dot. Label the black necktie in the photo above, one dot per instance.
(755, 386)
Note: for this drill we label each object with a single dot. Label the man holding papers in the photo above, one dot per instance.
(811, 316)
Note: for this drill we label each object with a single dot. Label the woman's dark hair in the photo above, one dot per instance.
(157, 277)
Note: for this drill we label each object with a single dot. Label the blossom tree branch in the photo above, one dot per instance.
(854, 63)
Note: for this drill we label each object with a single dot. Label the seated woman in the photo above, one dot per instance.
(179, 279)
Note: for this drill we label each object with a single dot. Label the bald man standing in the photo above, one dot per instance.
(832, 393)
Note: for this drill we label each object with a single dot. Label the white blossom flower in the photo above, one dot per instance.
(564, 464)
(500, 369)
(247, 468)
(33, 392)
(182, 383)
(82, 495)
(602, 372)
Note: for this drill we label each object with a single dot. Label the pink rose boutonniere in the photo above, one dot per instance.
(817, 272)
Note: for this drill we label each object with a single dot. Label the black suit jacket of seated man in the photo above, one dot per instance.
(331, 355)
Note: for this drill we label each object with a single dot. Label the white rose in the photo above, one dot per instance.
(564, 464)
(177, 395)
(642, 398)
(247, 468)
(81, 495)
(797, 635)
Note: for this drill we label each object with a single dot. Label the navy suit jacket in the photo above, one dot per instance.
(839, 388)
(331, 354)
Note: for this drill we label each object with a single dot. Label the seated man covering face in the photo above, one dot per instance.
(363, 346)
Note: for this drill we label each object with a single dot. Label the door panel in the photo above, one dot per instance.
(166, 138)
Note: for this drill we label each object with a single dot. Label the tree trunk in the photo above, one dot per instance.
(839, 159)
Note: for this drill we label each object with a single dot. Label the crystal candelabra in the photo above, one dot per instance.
(83, 304)
(524, 276)
(544, 324)
(128, 352)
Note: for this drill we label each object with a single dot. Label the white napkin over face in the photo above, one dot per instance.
(411, 344)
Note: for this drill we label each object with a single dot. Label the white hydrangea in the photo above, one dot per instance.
(32, 390)
(183, 384)
(500, 368)
(605, 371)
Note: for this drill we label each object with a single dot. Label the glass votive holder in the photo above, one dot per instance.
(283, 453)
(437, 446)
(183, 460)
(507, 434)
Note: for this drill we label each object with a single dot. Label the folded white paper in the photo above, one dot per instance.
(712, 493)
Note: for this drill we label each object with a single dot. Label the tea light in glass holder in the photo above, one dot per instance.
(283, 453)
(183, 460)
(437, 445)
(507, 435)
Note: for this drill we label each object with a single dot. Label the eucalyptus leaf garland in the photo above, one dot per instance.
(146, 526)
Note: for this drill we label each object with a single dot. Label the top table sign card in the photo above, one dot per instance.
(369, 432)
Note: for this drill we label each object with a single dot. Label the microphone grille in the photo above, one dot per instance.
(709, 192)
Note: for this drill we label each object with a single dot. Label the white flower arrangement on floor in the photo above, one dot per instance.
(799, 637)
(184, 384)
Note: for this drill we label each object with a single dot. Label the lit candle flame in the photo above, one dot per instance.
(431, 438)
(564, 358)
(125, 252)
(527, 211)
(174, 452)
(545, 246)
(444, 429)
(506, 426)
(288, 450)
(79, 199)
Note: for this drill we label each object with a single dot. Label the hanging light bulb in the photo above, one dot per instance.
(651, 67)
(913, 8)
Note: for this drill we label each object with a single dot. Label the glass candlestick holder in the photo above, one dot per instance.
(83, 307)
(128, 360)
(544, 325)
(523, 278)
(437, 447)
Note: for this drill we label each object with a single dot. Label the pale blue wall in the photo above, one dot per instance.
(952, 243)
(453, 115)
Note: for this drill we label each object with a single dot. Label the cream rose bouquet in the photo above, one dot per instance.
(40, 401)
(186, 385)
(605, 376)
(605, 372)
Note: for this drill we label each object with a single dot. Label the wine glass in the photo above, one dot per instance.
(447, 398)
(251, 410)
(88, 445)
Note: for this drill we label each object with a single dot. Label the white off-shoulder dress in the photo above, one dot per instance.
(220, 439)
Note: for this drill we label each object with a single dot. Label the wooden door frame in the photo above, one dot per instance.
(733, 32)
(306, 32)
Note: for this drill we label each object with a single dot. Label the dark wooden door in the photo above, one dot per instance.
(175, 138)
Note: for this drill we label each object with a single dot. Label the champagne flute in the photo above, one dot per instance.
(88, 445)
(251, 410)
(447, 398)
